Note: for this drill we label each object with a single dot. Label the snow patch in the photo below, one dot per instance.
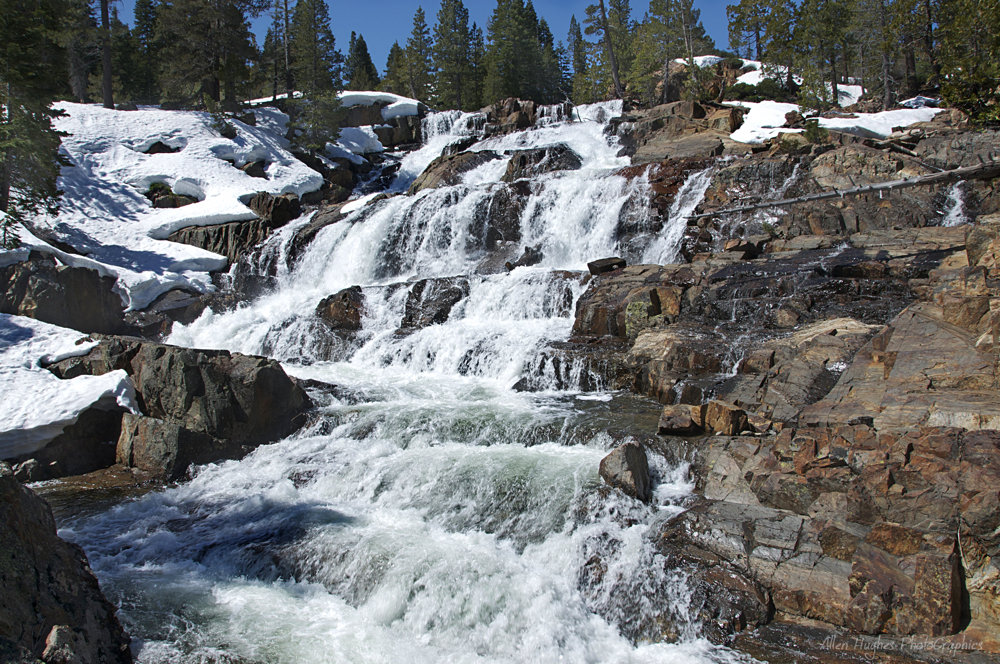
(37, 405)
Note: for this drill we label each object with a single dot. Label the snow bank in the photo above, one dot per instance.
(397, 106)
(105, 216)
(702, 60)
(765, 120)
(37, 405)
(358, 140)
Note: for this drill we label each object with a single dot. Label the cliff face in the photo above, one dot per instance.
(51, 607)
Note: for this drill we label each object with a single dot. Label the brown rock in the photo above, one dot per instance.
(680, 420)
(343, 310)
(725, 418)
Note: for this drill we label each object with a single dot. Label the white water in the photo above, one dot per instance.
(430, 513)
(665, 248)
(955, 213)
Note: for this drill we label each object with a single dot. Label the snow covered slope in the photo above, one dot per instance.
(36, 405)
(105, 216)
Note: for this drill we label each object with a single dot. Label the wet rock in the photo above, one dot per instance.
(626, 468)
(275, 211)
(531, 256)
(73, 297)
(51, 603)
(448, 169)
(160, 147)
(606, 265)
(82, 447)
(180, 306)
(431, 300)
(165, 450)
(343, 310)
(531, 163)
(324, 217)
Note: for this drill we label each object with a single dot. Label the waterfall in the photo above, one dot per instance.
(429, 512)
(666, 247)
(955, 213)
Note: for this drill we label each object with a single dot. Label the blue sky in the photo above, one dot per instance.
(384, 21)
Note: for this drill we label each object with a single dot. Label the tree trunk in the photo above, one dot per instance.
(833, 77)
(910, 60)
(611, 52)
(5, 177)
(288, 57)
(106, 87)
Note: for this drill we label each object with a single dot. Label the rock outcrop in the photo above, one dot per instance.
(205, 405)
(627, 468)
(73, 297)
(52, 608)
(448, 169)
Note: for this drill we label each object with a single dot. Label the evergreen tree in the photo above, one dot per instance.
(819, 31)
(597, 24)
(510, 51)
(970, 57)
(395, 79)
(208, 47)
(360, 70)
(144, 31)
(32, 70)
(746, 28)
(82, 48)
(576, 46)
(315, 61)
(419, 61)
(477, 55)
(452, 61)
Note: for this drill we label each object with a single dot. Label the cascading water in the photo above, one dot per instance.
(429, 512)
(955, 213)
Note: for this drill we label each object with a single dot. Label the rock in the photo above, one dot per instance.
(681, 420)
(605, 265)
(249, 118)
(180, 306)
(626, 468)
(73, 297)
(531, 256)
(448, 169)
(232, 240)
(161, 148)
(725, 418)
(276, 211)
(256, 169)
(531, 163)
(82, 447)
(165, 450)
(363, 115)
(241, 399)
(343, 310)
(49, 594)
(431, 300)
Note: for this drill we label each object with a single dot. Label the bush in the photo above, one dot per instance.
(814, 133)
(767, 89)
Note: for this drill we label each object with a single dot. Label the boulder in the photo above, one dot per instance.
(73, 297)
(606, 265)
(165, 450)
(343, 310)
(240, 399)
(531, 163)
(531, 256)
(626, 468)
(448, 169)
(276, 211)
(51, 606)
(725, 418)
(84, 446)
(681, 420)
(256, 169)
(431, 300)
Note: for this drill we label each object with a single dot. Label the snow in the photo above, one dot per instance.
(105, 216)
(702, 60)
(396, 105)
(765, 120)
(849, 94)
(359, 203)
(359, 140)
(920, 102)
(37, 405)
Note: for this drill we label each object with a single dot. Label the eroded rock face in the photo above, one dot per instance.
(165, 449)
(231, 240)
(72, 297)
(52, 608)
(343, 310)
(275, 211)
(431, 300)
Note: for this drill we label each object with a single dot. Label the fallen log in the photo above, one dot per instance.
(984, 171)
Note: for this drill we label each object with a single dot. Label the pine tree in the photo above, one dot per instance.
(477, 55)
(511, 45)
(360, 70)
(144, 31)
(419, 62)
(208, 47)
(395, 80)
(452, 61)
(31, 75)
(819, 31)
(576, 46)
(315, 60)
(970, 57)
(82, 48)
(746, 28)
(597, 24)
